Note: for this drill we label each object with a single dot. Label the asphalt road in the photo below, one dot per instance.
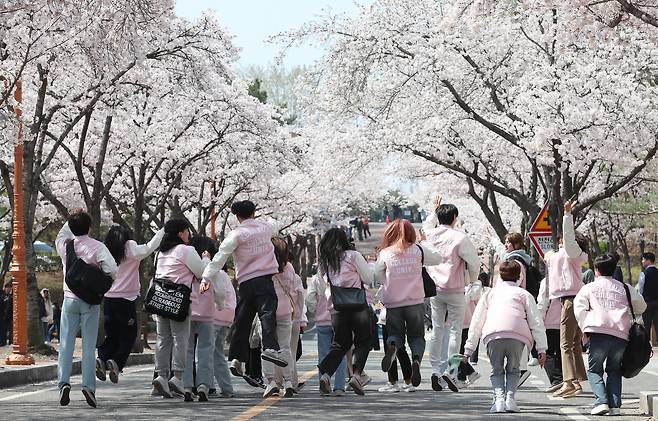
(131, 400)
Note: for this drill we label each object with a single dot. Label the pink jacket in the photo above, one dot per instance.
(473, 294)
(203, 305)
(254, 254)
(509, 312)
(225, 316)
(172, 265)
(285, 286)
(354, 271)
(602, 307)
(457, 250)
(563, 268)
(550, 310)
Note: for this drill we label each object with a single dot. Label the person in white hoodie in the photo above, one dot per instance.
(508, 319)
(603, 313)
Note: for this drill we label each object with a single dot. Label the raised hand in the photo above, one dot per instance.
(437, 201)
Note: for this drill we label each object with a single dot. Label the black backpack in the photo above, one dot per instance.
(532, 277)
(87, 282)
(638, 350)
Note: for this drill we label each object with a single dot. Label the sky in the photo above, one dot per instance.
(253, 21)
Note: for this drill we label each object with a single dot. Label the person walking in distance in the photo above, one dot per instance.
(648, 287)
(460, 267)
(342, 267)
(76, 312)
(47, 318)
(250, 243)
(366, 226)
(119, 309)
(563, 269)
(399, 270)
(603, 313)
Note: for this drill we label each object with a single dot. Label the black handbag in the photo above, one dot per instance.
(638, 349)
(428, 283)
(167, 299)
(349, 300)
(87, 282)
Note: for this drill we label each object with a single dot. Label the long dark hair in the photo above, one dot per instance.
(281, 252)
(333, 245)
(115, 241)
(171, 238)
(202, 243)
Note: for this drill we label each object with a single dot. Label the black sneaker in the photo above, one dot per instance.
(64, 392)
(90, 397)
(188, 397)
(415, 373)
(251, 381)
(213, 393)
(113, 367)
(101, 370)
(436, 386)
(450, 382)
(389, 357)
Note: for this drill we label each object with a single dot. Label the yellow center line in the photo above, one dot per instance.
(272, 400)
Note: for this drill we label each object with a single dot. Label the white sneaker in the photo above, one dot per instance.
(510, 403)
(470, 380)
(600, 409)
(289, 389)
(176, 386)
(271, 389)
(450, 382)
(409, 388)
(162, 386)
(357, 384)
(498, 406)
(389, 388)
(202, 391)
(614, 412)
(236, 368)
(534, 362)
(274, 357)
(365, 379)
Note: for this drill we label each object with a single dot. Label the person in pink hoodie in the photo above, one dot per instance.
(343, 267)
(119, 308)
(507, 319)
(603, 313)
(550, 311)
(250, 244)
(564, 279)
(181, 264)
(399, 270)
(285, 285)
(460, 267)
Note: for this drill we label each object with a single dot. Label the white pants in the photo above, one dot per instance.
(283, 331)
(453, 304)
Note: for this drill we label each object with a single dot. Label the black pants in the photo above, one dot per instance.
(366, 231)
(120, 321)
(403, 358)
(407, 320)
(349, 328)
(255, 296)
(650, 316)
(254, 367)
(465, 369)
(553, 364)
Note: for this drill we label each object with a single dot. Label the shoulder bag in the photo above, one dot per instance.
(428, 283)
(87, 282)
(348, 299)
(167, 299)
(638, 350)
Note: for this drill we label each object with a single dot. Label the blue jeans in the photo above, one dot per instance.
(608, 349)
(203, 334)
(325, 337)
(220, 371)
(407, 320)
(74, 313)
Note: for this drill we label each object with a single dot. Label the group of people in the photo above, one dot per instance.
(515, 317)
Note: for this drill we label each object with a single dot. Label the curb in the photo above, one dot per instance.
(30, 375)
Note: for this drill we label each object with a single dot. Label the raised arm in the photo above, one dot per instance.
(142, 251)
(569, 233)
(60, 242)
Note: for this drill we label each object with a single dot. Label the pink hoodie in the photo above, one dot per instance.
(353, 268)
(317, 301)
(564, 274)
(507, 311)
(254, 254)
(449, 275)
(171, 265)
(285, 286)
(203, 305)
(602, 307)
(225, 316)
(403, 285)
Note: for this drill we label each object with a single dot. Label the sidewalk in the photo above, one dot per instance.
(45, 367)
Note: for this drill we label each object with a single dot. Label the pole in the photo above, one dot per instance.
(19, 354)
(213, 214)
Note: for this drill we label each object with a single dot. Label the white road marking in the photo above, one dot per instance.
(24, 394)
(536, 382)
(573, 414)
